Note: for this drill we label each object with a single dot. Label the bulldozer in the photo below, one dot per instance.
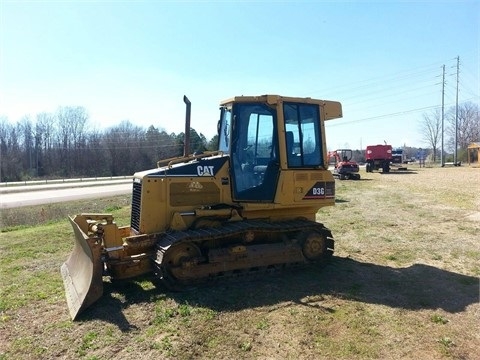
(248, 207)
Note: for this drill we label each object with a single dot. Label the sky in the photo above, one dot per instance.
(135, 60)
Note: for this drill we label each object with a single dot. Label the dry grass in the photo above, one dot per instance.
(404, 284)
(11, 219)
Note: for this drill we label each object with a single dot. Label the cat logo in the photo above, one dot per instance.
(205, 170)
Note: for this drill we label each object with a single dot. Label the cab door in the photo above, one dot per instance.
(254, 152)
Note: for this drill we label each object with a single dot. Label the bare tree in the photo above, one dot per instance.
(431, 127)
(468, 125)
(10, 152)
(71, 123)
(25, 127)
(123, 143)
(5, 149)
(45, 134)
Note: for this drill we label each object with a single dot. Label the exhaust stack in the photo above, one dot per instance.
(186, 144)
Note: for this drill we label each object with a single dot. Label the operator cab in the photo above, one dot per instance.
(253, 134)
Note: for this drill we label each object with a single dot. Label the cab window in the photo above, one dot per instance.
(302, 135)
(224, 129)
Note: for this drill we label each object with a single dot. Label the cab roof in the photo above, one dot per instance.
(332, 109)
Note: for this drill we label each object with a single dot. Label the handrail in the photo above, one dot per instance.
(180, 159)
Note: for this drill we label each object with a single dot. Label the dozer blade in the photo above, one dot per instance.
(82, 272)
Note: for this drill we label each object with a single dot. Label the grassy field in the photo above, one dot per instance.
(403, 284)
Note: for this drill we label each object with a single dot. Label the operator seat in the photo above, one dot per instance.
(292, 158)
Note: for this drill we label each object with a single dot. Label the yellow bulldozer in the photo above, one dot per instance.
(249, 206)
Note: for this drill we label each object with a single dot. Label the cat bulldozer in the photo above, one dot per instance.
(248, 207)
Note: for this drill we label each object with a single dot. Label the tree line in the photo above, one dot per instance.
(63, 144)
(461, 128)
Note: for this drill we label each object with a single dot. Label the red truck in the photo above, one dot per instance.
(378, 157)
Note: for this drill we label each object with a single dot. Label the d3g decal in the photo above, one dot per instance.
(321, 190)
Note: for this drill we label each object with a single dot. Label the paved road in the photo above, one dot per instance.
(53, 184)
(47, 194)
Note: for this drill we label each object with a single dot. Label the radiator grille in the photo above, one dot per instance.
(136, 206)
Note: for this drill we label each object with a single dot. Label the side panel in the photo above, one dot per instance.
(316, 187)
(183, 188)
(193, 192)
(153, 216)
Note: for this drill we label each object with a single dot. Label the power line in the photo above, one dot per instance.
(369, 83)
(339, 122)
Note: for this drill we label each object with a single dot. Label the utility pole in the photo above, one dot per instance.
(442, 161)
(456, 115)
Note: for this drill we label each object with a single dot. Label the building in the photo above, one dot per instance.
(472, 153)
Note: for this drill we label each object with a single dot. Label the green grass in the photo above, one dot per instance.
(439, 319)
